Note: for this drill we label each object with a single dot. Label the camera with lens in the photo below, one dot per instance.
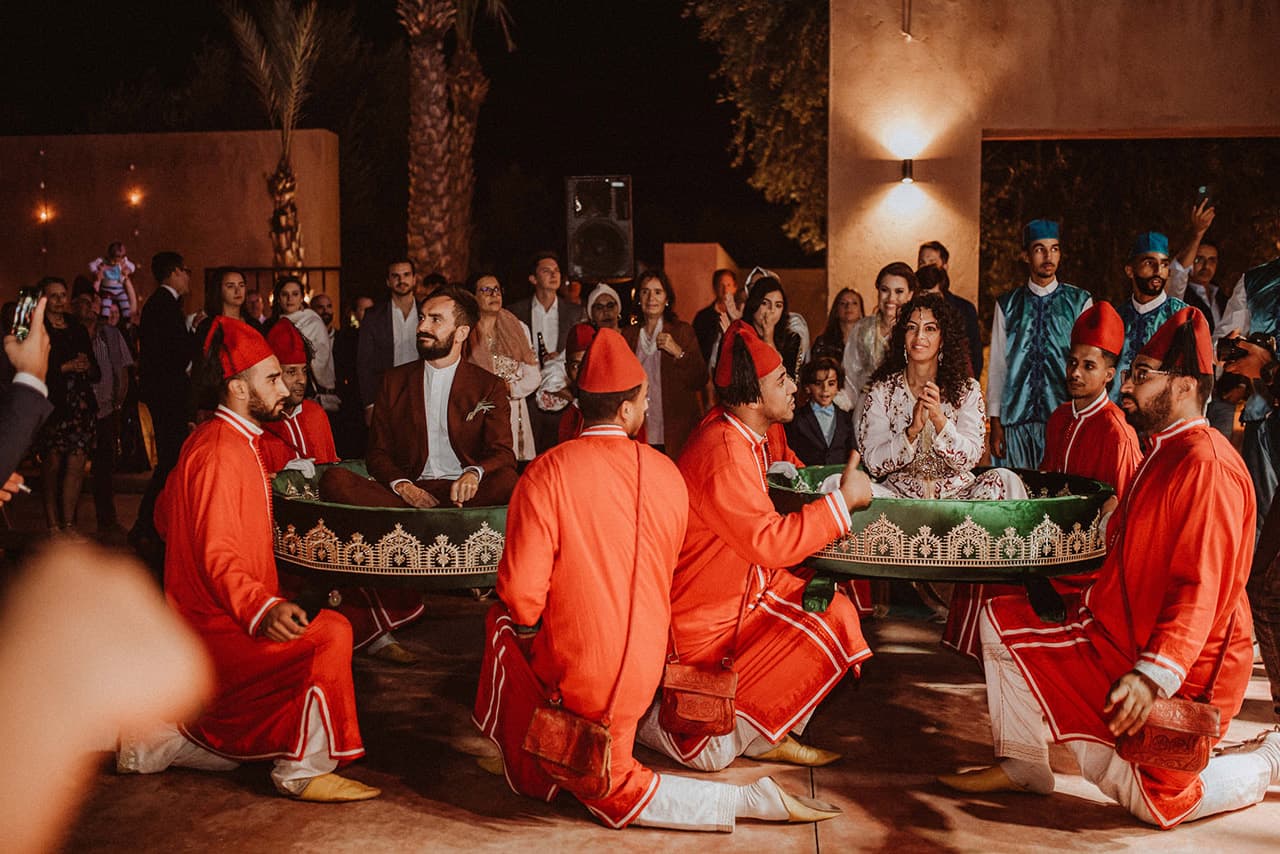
(1229, 349)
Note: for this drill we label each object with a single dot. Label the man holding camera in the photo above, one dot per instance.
(24, 401)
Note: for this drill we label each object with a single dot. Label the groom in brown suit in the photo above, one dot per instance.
(441, 430)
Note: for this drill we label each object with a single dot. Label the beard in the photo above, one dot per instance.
(430, 349)
(1155, 414)
(1149, 286)
(259, 410)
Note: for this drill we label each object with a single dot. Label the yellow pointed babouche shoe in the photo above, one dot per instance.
(981, 781)
(802, 810)
(396, 654)
(333, 789)
(794, 753)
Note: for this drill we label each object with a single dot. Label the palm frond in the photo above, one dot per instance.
(254, 56)
(497, 11)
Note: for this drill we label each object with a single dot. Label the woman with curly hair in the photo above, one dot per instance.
(923, 424)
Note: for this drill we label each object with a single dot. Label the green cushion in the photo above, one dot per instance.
(1057, 532)
(440, 548)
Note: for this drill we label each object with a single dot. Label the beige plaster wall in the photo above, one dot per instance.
(1018, 69)
(203, 194)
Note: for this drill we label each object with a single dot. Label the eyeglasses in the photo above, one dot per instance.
(490, 290)
(1138, 376)
(185, 269)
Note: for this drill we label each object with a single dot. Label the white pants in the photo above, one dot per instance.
(1019, 731)
(166, 746)
(719, 752)
(682, 803)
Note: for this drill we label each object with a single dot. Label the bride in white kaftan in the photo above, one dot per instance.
(923, 427)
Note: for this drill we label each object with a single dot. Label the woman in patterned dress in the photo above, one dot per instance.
(67, 438)
(923, 425)
(502, 344)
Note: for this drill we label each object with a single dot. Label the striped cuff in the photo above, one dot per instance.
(1166, 680)
(262, 612)
(839, 510)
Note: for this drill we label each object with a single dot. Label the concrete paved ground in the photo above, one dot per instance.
(918, 711)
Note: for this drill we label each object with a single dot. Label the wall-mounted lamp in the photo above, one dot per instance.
(44, 213)
(907, 176)
(134, 197)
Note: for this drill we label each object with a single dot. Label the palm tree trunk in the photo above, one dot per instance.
(468, 88)
(286, 232)
(431, 211)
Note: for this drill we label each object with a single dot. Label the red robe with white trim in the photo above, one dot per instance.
(787, 659)
(220, 575)
(306, 434)
(568, 562)
(1096, 443)
(1183, 541)
(779, 451)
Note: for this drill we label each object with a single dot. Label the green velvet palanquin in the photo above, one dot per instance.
(1057, 532)
(440, 548)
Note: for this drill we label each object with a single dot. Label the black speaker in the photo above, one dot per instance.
(598, 227)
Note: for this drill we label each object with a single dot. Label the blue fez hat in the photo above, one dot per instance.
(1150, 241)
(1039, 229)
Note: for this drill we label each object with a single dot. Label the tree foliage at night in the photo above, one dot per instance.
(1104, 192)
(773, 63)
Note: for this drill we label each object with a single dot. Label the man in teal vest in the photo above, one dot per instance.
(1030, 336)
(1148, 306)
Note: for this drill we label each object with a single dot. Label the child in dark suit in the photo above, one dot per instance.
(821, 433)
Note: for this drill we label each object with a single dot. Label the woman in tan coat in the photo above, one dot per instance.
(668, 349)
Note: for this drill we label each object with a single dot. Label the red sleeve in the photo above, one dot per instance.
(532, 541)
(730, 501)
(1207, 547)
(320, 435)
(219, 492)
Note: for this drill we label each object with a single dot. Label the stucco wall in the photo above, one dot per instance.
(202, 194)
(1018, 69)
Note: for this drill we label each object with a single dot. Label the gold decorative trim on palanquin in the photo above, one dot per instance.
(396, 553)
(969, 544)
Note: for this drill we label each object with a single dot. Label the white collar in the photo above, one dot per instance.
(1148, 307)
(176, 295)
(297, 410)
(436, 372)
(739, 425)
(1042, 290)
(238, 421)
(605, 430)
(1093, 406)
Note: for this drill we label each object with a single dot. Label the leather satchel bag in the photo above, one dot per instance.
(698, 700)
(1178, 734)
(572, 750)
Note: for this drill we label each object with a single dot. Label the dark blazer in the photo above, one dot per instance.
(806, 439)
(682, 379)
(22, 411)
(375, 350)
(971, 331)
(569, 313)
(165, 350)
(398, 432)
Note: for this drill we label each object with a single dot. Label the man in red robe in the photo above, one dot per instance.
(301, 439)
(1086, 436)
(733, 595)
(1167, 609)
(284, 689)
(584, 609)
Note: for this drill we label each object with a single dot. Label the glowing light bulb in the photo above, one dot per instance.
(44, 213)
(134, 196)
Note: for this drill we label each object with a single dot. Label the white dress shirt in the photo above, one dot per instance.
(546, 321)
(442, 461)
(404, 335)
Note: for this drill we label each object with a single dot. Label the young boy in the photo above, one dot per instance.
(821, 433)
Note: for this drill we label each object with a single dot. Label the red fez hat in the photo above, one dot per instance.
(580, 337)
(1183, 343)
(286, 341)
(763, 357)
(610, 366)
(1099, 327)
(242, 345)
